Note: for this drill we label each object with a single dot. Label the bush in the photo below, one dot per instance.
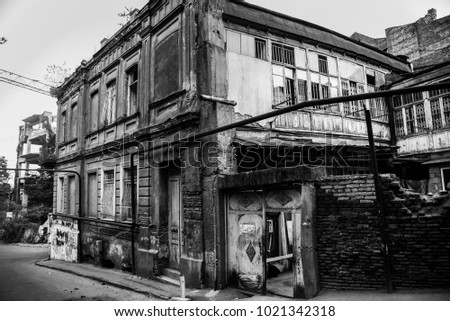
(15, 228)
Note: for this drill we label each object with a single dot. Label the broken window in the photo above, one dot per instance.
(109, 106)
(73, 120)
(261, 49)
(283, 86)
(126, 192)
(323, 87)
(446, 107)
(132, 90)
(350, 88)
(108, 195)
(283, 54)
(94, 111)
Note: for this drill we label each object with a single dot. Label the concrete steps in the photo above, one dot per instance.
(170, 276)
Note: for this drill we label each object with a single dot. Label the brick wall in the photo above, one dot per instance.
(349, 242)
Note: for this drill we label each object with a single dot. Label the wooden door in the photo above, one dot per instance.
(174, 221)
(246, 246)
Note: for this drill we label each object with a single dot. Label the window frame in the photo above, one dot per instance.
(110, 103)
(125, 217)
(104, 216)
(132, 86)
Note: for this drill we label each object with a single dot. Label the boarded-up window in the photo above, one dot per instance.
(92, 195)
(351, 71)
(108, 195)
(74, 120)
(167, 66)
(109, 106)
(132, 90)
(300, 58)
(94, 111)
(233, 41)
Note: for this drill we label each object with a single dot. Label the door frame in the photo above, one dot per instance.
(171, 176)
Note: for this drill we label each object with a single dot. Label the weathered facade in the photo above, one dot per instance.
(228, 209)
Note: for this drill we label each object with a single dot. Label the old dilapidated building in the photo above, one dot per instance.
(233, 208)
(421, 120)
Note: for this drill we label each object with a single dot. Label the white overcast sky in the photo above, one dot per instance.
(45, 32)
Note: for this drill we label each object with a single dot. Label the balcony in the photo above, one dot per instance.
(38, 136)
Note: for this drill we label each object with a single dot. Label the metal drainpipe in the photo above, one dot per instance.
(133, 212)
(380, 203)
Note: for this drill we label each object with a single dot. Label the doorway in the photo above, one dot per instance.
(174, 221)
(261, 240)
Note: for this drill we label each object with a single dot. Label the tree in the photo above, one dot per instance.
(5, 188)
(56, 75)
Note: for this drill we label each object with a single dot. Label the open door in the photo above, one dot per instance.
(174, 221)
(246, 226)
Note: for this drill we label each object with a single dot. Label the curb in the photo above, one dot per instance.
(120, 286)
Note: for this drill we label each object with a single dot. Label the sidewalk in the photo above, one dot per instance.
(164, 291)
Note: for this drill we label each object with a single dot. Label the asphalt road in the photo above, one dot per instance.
(22, 280)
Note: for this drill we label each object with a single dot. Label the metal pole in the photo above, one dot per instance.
(380, 203)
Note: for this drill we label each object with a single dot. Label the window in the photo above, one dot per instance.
(126, 193)
(398, 122)
(323, 64)
(132, 90)
(63, 126)
(410, 127)
(108, 194)
(261, 51)
(109, 107)
(350, 88)
(283, 86)
(436, 116)
(74, 120)
(94, 111)
(302, 90)
(446, 105)
(420, 117)
(323, 87)
(283, 54)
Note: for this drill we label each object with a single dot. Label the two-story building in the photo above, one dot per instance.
(215, 209)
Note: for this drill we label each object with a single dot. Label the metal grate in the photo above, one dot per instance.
(398, 121)
(261, 49)
(283, 54)
(436, 114)
(421, 118)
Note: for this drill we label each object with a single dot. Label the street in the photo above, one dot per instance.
(22, 280)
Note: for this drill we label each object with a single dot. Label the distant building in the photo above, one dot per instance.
(33, 151)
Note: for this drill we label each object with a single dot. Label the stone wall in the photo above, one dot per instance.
(349, 241)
